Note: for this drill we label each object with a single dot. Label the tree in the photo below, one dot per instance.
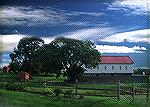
(47, 61)
(68, 57)
(24, 53)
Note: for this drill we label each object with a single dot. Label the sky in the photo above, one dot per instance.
(117, 27)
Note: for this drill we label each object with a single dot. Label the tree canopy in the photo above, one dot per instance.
(24, 53)
(68, 57)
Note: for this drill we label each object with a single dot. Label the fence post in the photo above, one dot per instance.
(76, 83)
(118, 91)
(44, 84)
(132, 91)
(3, 83)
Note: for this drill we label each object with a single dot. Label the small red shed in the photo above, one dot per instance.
(23, 76)
(5, 69)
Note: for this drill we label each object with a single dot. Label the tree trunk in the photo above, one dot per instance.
(46, 73)
(71, 75)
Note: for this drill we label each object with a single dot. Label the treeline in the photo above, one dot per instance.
(141, 71)
(63, 56)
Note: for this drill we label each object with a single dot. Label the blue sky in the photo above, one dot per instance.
(118, 27)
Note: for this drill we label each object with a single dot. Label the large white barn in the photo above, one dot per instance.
(113, 65)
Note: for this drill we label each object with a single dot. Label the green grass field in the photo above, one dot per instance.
(23, 99)
(27, 98)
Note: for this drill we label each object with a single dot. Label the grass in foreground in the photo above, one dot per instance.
(23, 99)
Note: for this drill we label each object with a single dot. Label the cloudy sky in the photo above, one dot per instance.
(118, 27)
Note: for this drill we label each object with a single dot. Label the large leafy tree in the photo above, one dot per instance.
(25, 53)
(47, 60)
(68, 57)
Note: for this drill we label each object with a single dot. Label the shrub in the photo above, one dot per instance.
(81, 96)
(20, 86)
(14, 86)
(37, 90)
(68, 93)
(57, 91)
(2, 85)
(10, 86)
(147, 72)
(138, 71)
(46, 91)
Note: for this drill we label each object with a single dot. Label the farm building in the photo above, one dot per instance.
(23, 76)
(113, 65)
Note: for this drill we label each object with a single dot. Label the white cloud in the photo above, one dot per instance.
(78, 23)
(87, 23)
(143, 48)
(91, 34)
(94, 34)
(47, 40)
(6, 60)
(77, 13)
(33, 16)
(3, 64)
(10, 41)
(9, 45)
(119, 49)
(132, 36)
(139, 7)
(20, 15)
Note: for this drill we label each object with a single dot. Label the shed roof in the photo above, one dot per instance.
(115, 60)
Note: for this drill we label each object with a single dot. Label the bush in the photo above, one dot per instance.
(147, 72)
(57, 91)
(10, 86)
(46, 91)
(141, 71)
(2, 85)
(14, 86)
(20, 86)
(138, 72)
(68, 93)
(81, 96)
(37, 90)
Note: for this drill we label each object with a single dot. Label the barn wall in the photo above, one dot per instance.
(108, 69)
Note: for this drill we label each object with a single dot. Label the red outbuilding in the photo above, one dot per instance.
(23, 76)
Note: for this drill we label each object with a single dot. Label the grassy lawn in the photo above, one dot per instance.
(12, 77)
(7, 77)
(35, 85)
(23, 99)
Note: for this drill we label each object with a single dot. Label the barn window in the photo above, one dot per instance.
(126, 67)
(105, 67)
(120, 68)
(112, 67)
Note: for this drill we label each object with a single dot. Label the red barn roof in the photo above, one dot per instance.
(115, 60)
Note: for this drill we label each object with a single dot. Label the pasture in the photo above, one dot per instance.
(38, 91)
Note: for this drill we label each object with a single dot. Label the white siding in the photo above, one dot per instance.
(107, 68)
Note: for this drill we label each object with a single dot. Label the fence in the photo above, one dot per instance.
(119, 90)
(135, 90)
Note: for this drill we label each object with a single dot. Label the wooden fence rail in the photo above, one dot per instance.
(103, 89)
(131, 91)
